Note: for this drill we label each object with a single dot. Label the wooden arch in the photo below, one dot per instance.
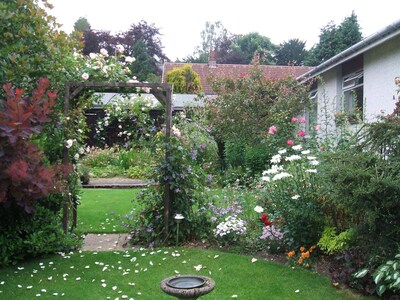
(163, 93)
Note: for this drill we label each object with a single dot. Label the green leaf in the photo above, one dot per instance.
(361, 273)
(380, 290)
(378, 278)
(396, 284)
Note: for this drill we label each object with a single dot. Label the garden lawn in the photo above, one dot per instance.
(137, 275)
(101, 209)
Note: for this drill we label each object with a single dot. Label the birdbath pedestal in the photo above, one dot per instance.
(187, 286)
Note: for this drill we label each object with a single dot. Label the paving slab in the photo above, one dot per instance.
(115, 182)
(106, 242)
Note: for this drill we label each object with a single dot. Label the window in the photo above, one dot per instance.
(353, 95)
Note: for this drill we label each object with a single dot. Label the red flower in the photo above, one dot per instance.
(301, 133)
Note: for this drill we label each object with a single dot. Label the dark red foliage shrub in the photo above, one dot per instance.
(23, 175)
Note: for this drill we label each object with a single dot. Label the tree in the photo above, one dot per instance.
(31, 45)
(247, 45)
(350, 31)
(143, 33)
(247, 106)
(292, 52)
(335, 39)
(82, 25)
(142, 67)
(215, 37)
(184, 80)
(149, 35)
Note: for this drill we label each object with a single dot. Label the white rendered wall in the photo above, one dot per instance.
(381, 66)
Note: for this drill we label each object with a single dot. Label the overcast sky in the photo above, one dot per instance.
(181, 21)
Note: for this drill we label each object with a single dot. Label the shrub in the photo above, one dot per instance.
(25, 235)
(184, 80)
(188, 170)
(289, 190)
(24, 176)
(363, 191)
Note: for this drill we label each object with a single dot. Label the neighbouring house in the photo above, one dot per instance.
(209, 70)
(357, 84)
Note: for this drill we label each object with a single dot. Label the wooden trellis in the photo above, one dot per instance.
(162, 92)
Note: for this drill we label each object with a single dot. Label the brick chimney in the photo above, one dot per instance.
(212, 63)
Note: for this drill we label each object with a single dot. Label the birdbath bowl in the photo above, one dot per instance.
(187, 286)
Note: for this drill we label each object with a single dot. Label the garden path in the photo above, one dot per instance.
(106, 242)
(111, 241)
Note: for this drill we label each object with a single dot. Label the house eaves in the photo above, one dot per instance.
(368, 43)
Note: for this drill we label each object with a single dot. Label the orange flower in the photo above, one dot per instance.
(291, 253)
(300, 261)
(305, 254)
(302, 249)
(312, 248)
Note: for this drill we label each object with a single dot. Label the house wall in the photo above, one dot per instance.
(328, 90)
(381, 66)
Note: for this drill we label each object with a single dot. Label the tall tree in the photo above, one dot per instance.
(334, 39)
(350, 31)
(142, 67)
(292, 52)
(215, 37)
(150, 35)
(249, 44)
(143, 33)
(82, 25)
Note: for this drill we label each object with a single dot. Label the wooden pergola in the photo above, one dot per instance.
(162, 92)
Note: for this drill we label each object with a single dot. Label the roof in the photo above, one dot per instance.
(366, 44)
(206, 71)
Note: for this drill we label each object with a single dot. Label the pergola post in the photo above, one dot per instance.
(65, 161)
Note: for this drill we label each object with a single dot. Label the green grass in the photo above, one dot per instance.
(100, 209)
(137, 275)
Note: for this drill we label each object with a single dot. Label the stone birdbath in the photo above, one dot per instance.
(187, 286)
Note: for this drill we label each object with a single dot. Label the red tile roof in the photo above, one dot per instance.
(206, 71)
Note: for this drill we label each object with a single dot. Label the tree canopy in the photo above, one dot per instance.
(292, 53)
(334, 39)
(141, 39)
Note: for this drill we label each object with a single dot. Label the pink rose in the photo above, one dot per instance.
(294, 120)
(317, 127)
(272, 129)
(301, 133)
(302, 120)
(290, 143)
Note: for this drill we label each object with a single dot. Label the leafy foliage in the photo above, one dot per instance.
(24, 177)
(146, 34)
(291, 53)
(334, 39)
(184, 80)
(254, 43)
(32, 46)
(246, 107)
(331, 242)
